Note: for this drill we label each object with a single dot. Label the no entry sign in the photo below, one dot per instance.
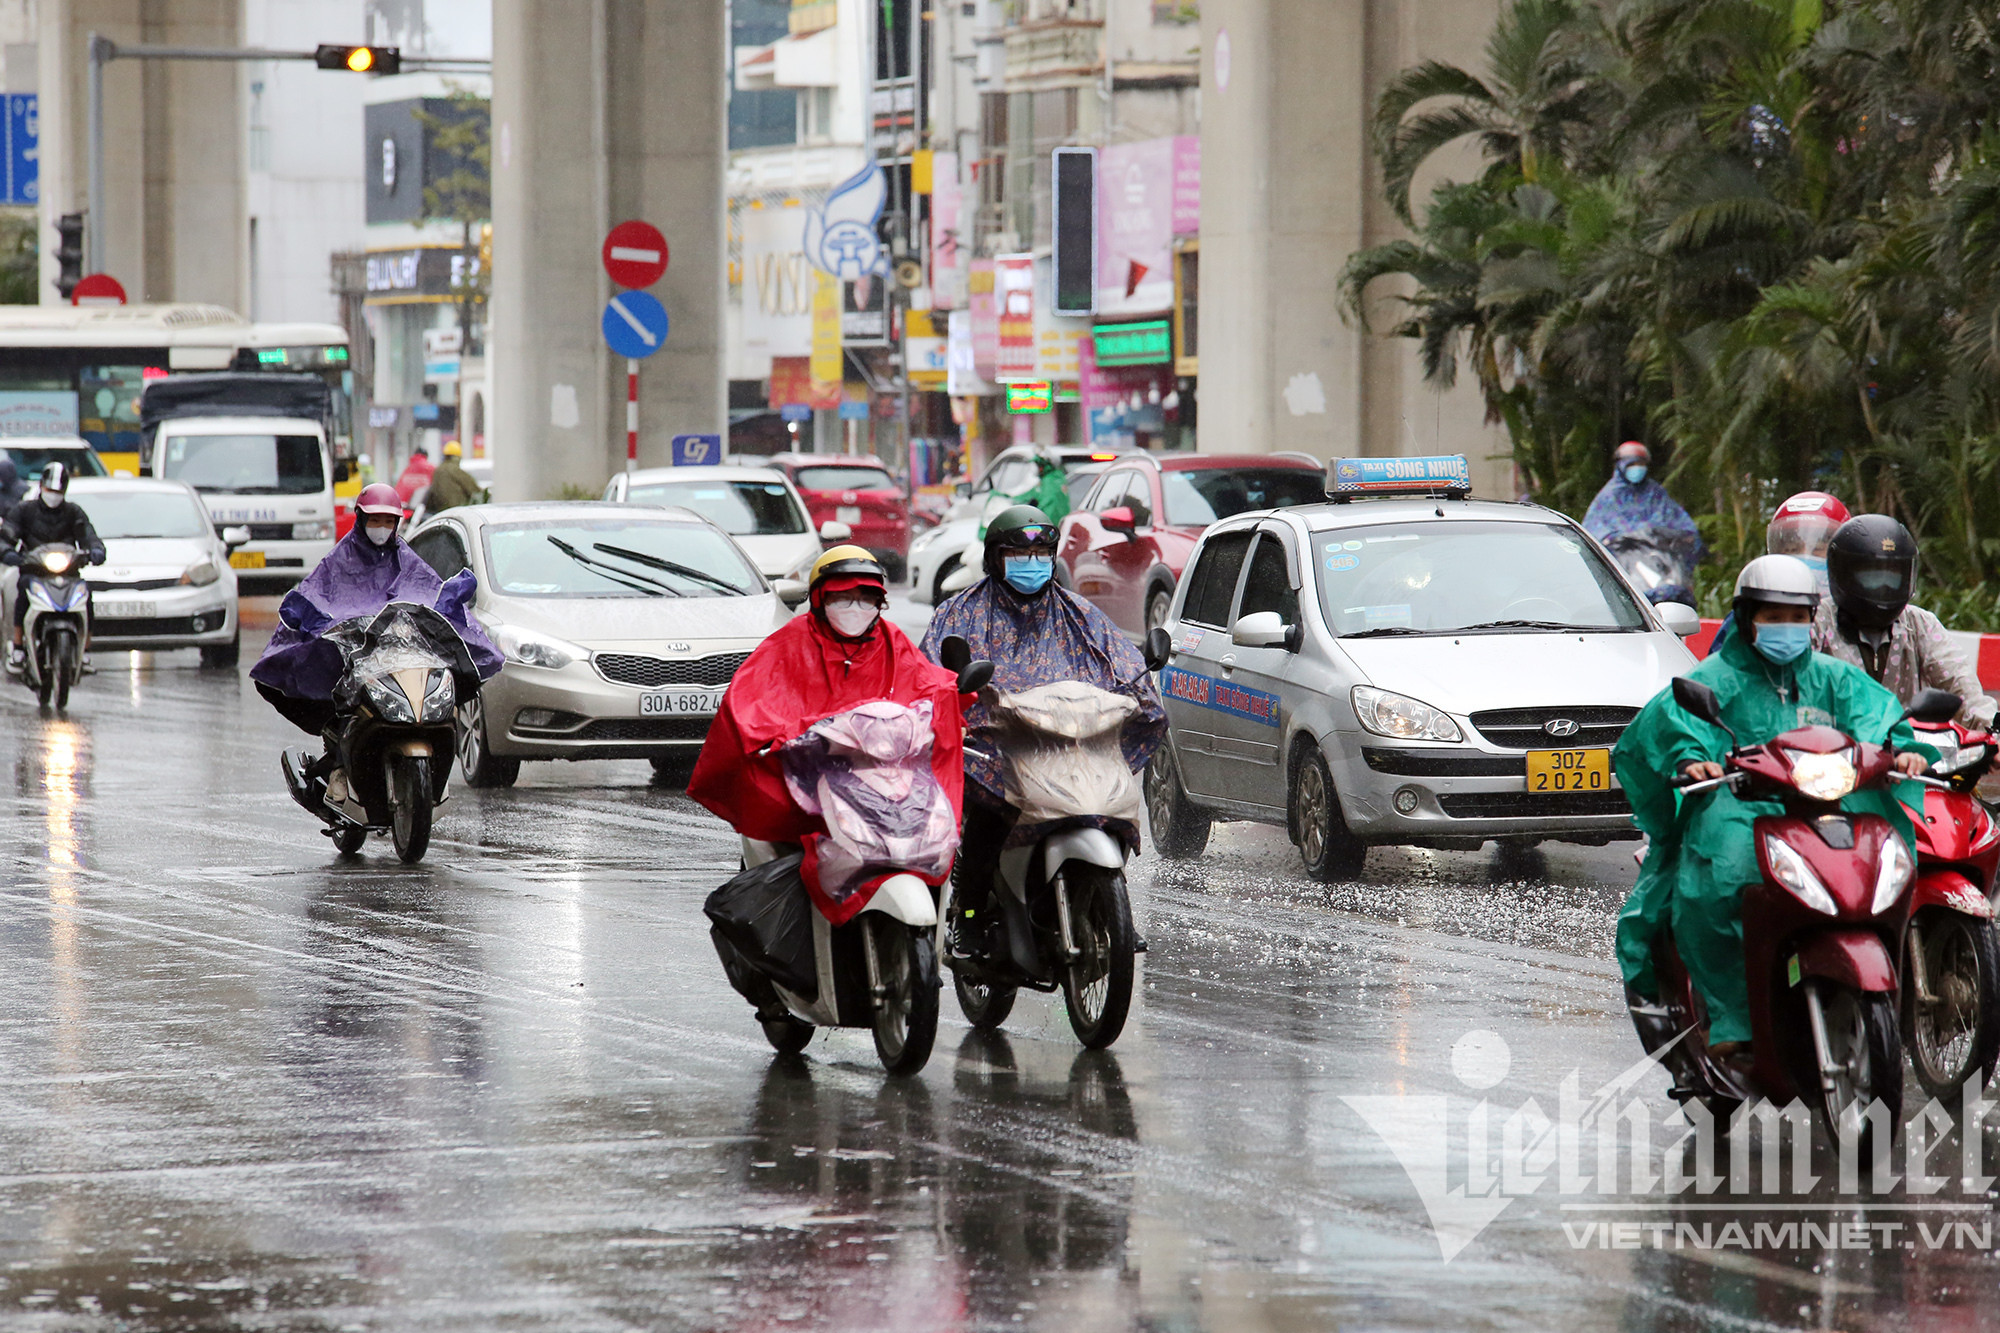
(98, 289)
(635, 254)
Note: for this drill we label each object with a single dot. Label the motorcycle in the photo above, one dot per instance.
(1821, 930)
(1657, 563)
(405, 671)
(1951, 1000)
(890, 829)
(1065, 919)
(57, 624)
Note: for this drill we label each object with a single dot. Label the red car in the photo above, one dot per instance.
(859, 493)
(1125, 546)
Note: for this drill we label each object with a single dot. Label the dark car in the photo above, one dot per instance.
(1125, 547)
(858, 493)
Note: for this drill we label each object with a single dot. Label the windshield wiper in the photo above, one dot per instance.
(1383, 630)
(624, 577)
(1539, 625)
(667, 566)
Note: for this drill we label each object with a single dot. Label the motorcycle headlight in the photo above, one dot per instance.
(319, 531)
(1402, 718)
(1793, 872)
(201, 573)
(1892, 875)
(440, 695)
(1957, 758)
(535, 651)
(1822, 777)
(387, 700)
(57, 562)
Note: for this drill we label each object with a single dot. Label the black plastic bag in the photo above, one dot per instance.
(766, 917)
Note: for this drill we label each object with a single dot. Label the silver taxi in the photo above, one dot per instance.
(1389, 668)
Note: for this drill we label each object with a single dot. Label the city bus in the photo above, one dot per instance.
(78, 370)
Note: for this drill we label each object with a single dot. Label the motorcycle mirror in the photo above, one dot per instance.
(1159, 647)
(1934, 706)
(1699, 700)
(954, 654)
(974, 676)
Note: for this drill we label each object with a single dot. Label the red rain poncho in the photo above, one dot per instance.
(801, 675)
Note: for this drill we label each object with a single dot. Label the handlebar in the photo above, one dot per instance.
(1689, 786)
(1923, 779)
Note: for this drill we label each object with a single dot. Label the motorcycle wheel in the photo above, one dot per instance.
(984, 1005)
(482, 767)
(1861, 1035)
(410, 821)
(65, 673)
(906, 1021)
(1097, 987)
(45, 682)
(787, 1035)
(1957, 1035)
(347, 839)
(1180, 827)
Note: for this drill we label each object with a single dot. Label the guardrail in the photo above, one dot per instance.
(1982, 650)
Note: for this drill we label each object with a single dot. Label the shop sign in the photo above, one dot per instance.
(1141, 344)
(1031, 396)
(1014, 294)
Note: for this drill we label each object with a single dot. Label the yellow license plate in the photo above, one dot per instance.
(246, 559)
(1569, 770)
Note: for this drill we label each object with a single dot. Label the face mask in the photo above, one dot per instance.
(1028, 573)
(53, 499)
(380, 536)
(1635, 474)
(1783, 643)
(851, 619)
(1817, 564)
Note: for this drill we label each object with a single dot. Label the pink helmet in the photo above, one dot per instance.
(380, 498)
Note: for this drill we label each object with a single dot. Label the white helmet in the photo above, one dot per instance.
(1776, 580)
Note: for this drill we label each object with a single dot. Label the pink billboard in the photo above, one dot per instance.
(1147, 193)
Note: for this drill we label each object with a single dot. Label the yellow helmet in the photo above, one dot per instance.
(452, 449)
(847, 562)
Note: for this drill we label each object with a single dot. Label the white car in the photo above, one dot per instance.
(757, 506)
(166, 581)
(940, 552)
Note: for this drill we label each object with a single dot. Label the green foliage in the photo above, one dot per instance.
(569, 490)
(19, 259)
(1762, 235)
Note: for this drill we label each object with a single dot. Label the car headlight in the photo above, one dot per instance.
(57, 562)
(386, 698)
(1793, 872)
(201, 573)
(535, 651)
(1892, 875)
(440, 695)
(313, 532)
(1402, 718)
(1822, 777)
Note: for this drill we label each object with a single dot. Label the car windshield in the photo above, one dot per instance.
(616, 557)
(143, 513)
(245, 464)
(1443, 578)
(844, 479)
(739, 508)
(1198, 497)
(30, 459)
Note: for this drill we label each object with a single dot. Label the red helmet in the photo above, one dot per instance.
(1631, 452)
(380, 498)
(1804, 525)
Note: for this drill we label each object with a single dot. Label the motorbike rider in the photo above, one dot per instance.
(1871, 565)
(12, 489)
(49, 517)
(1034, 631)
(451, 484)
(1802, 526)
(1632, 503)
(1702, 850)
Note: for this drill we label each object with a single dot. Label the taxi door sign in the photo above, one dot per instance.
(1218, 695)
(1448, 474)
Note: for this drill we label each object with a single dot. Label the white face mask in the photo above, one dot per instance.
(53, 499)
(851, 619)
(380, 536)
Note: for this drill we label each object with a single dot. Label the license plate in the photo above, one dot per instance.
(118, 610)
(1569, 770)
(849, 514)
(679, 703)
(246, 559)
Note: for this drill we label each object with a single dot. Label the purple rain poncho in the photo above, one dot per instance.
(1622, 509)
(358, 579)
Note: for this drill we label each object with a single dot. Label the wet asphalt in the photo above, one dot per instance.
(245, 1083)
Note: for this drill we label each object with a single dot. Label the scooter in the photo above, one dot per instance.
(1822, 931)
(405, 672)
(1951, 995)
(867, 773)
(1656, 561)
(57, 623)
(1065, 919)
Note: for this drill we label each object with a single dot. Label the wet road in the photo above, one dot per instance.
(250, 1085)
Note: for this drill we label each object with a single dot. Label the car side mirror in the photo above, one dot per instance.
(1118, 518)
(1260, 629)
(1159, 647)
(1679, 617)
(964, 489)
(954, 654)
(831, 531)
(975, 676)
(1934, 706)
(235, 537)
(790, 591)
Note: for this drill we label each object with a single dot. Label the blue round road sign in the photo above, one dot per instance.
(635, 325)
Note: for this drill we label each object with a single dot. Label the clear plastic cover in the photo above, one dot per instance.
(1060, 752)
(867, 773)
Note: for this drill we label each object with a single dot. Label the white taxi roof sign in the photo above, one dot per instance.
(1434, 474)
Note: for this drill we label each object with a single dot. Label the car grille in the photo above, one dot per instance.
(1532, 805)
(261, 532)
(1434, 764)
(153, 627)
(652, 672)
(136, 585)
(644, 729)
(1526, 728)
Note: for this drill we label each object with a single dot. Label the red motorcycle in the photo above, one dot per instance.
(1821, 930)
(1951, 995)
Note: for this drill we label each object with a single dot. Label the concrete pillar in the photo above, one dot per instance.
(602, 110)
(1289, 189)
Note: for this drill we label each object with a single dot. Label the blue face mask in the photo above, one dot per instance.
(1818, 566)
(1783, 643)
(1635, 474)
(1028, 573)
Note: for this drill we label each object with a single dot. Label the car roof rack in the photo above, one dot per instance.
(1433, 476)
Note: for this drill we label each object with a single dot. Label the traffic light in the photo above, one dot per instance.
(360, 59)
(69, 252)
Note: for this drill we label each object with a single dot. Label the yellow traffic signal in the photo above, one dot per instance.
(360, 59)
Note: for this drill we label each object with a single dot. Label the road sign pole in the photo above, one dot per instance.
(631, 416)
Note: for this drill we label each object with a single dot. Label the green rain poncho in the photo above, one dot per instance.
(1702, 853)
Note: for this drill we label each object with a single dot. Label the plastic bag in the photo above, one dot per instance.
(765, 915)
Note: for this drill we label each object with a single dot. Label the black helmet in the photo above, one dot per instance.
(1017, 529)
(1871, 563)
(55, 479)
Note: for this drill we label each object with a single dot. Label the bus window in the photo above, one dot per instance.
(108, 407)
